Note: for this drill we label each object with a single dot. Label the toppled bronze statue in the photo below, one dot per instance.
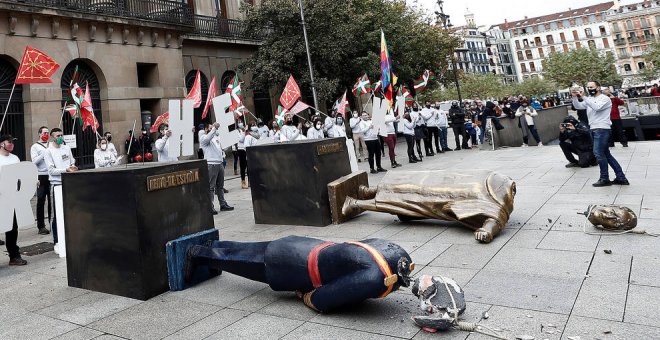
(481, 200)
(612, 217)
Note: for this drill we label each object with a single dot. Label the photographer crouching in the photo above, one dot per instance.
(575, 138)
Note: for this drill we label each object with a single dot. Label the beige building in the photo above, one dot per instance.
(135, 55)
(635, 27)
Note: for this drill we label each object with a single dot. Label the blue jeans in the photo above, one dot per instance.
(603, 155)
(442, 132)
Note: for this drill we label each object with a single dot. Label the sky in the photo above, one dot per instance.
(491, 12)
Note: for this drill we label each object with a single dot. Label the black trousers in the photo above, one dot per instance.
(42, 194)
(242, 160)
(585, 158)
(10, 241)
(618, 133)
(459, 131)
(432, 137)
(235, 154)
(245, 259)
(374, 150)
(410, 141)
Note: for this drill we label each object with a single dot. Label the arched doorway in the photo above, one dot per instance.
(204, 84)
(85, 138)
(226, 78)
(14, 123)
(262, 107)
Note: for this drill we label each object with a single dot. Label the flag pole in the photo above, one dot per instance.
(367, 103)
(7, 107)
(62, 115)
(130, 142)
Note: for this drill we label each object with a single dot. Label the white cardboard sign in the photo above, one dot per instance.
(380, 107)
(70, 141)
(18, 183)
(181, 124)
(60, 246)
(225, 119)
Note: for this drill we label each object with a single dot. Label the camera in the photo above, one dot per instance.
(564, 125)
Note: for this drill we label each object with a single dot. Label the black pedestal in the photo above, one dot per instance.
(289, 181)
(118, 221)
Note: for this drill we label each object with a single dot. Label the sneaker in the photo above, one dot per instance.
(226, 208)
(225, 190)
(540, 144)
(214, 212)
(572, 165)
(621, 181)
(17, 261)
(43, 231)
(373, 171)
(602, 183)
(625, 145)
(359, 160)
(524, 145)
(381, 170)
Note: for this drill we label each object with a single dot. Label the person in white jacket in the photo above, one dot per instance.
(357, 128)
(163, 144)
(242, 154)
(275, 132)
(420, 129)
(316, 132)
(373, 145)
(209, 141)
(337, 129)
(431, 120)
(526, 115)
(289, 131)
(103, 157)
(390, 140)
(409, 134)
(427, 116)
(59, 160)
(38, 154)
(443, 126)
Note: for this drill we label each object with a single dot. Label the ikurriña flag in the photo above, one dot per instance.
(36, 67)
(362, 86)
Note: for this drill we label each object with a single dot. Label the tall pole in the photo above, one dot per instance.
(444, 18)
(309, 56)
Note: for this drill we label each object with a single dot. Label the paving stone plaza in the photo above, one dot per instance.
(541, 278)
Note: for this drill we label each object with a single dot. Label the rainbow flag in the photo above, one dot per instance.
(385, 68)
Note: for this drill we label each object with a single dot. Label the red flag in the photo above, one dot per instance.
(195, 93)
(36, 67)
(162, 119)
(299, 107)
(343, 106)
(209, 97)
(291, 93)
(87, 111)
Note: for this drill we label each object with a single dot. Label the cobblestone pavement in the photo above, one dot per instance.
(542, 277)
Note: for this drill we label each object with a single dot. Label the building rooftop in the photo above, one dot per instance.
(570, 13)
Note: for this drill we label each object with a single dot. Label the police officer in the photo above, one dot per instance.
(328, 275)
(457, 118)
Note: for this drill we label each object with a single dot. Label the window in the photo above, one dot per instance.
(537, 41)
(147, 75)
(541, 28)
(623, 52)
(575, 35)
(606, 43)
(591, 43)
(641, 65)
(560, 24)
(532, 67)
(565, 47)
(587, 32)
(566, 23)
(602, 30)
(592, 18)
(517, 44)
(627, 68)
(578, 21)
(615, 27)
(541, 55)
(523, 66)
(550, 39)
(578, 44)
(562, 37)
(552, 49)
(528, 54)
(553, 25)
(525, 43)
(657, 20)
(520, 56)
(629, 25)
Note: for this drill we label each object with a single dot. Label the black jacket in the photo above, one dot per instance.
(580, 137)
(456, 116)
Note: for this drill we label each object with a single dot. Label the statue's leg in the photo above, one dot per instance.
(351, 205)
(488, 231)
(366, 193)
(244, 259)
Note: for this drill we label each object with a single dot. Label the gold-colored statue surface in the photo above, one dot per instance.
(612, 217)
(481, 200)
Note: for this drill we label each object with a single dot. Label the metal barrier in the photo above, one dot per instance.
(224, 28)
(640, 106)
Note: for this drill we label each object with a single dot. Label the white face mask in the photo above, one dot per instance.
(104, 147)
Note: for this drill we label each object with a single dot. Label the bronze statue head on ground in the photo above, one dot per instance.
(612, 217)
(481, 200)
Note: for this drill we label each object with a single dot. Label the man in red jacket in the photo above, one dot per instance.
(618, 132)
(655, 92)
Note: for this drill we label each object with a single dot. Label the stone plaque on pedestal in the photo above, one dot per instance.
(119, 219)
(289, 181)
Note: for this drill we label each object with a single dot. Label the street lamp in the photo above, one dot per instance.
(446, 23)
(309, 56)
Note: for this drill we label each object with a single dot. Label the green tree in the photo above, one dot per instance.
(533, 87)
(344, 40)
(652, 58)
(580, 66)
(481, 85)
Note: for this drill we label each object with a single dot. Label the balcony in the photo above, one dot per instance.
(619, 42)
(633, 40)
(624, 55)
(216, 27)
(159, 11)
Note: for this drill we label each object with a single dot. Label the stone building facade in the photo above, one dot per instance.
(134, 54)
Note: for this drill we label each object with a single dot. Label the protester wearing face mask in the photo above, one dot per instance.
(526, 115)
(357, 130)
(131, 146)
(275, 132)
(59, 160)
(7, 158)
(242, 154)
(373, 146)
(103, 158)
(317, 131)
(37, 154)
(290, 132)
(329, 122)
(163, 144)
(144, 143)
(409, 134)
(598, 108)
(214, 154)
(263, 129)
(338, 129)
(390, 140)
(420, 129)
(111, 146)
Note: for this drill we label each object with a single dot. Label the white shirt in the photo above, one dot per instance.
(104, 159)
(275, 135)
(389, 124)
(442, 119)
(337, 131)
(37, 154)
(417, 118)
(210, 144)
(58, 160)
(529, 119)
(371, 132)
(313, 133)
(408, 127)
(163, 147)
(250, 140)
(598, 110)
(328, 123)
(111, 148)
(9, 159)
(289, 133)
(356, 127)
(263, 131)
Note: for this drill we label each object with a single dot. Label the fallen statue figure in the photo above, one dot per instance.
(326, 275)
(481, 200)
